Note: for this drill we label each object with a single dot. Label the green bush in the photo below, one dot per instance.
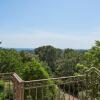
(1, 86)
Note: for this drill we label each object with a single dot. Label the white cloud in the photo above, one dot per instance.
(38, 38)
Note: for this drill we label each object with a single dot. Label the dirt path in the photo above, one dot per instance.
(70, 97)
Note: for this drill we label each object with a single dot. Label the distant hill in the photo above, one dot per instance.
(32, 49)
(24, 49)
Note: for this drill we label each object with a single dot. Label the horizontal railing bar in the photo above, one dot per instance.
(6, 73)
(66, 83)
(93, 68)
(39, 80)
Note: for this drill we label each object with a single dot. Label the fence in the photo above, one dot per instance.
(82, 87)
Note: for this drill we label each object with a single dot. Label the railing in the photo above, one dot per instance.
(82, 87)
(63, 88)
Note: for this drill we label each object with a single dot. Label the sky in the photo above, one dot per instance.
(60, 23)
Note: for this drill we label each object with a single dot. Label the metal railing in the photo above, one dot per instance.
(82, 87)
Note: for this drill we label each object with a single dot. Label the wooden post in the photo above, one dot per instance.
(18, 87)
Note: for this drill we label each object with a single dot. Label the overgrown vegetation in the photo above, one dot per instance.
(47, 61)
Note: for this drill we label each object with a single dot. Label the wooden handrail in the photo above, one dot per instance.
(17, 78)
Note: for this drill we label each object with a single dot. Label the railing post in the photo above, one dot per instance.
(18, 87)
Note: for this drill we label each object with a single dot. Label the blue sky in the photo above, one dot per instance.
(61, 23)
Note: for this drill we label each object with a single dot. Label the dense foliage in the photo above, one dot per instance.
(61, 62)
(47, 61)
(91, 59)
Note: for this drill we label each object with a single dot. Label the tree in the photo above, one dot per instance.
(27, 56)
(0, 43)
(49, 55)
(61, 62)
(33, 71)
(66, 64)
(10, 61)
(91, 59)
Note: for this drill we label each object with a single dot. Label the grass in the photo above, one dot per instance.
(5, 89)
